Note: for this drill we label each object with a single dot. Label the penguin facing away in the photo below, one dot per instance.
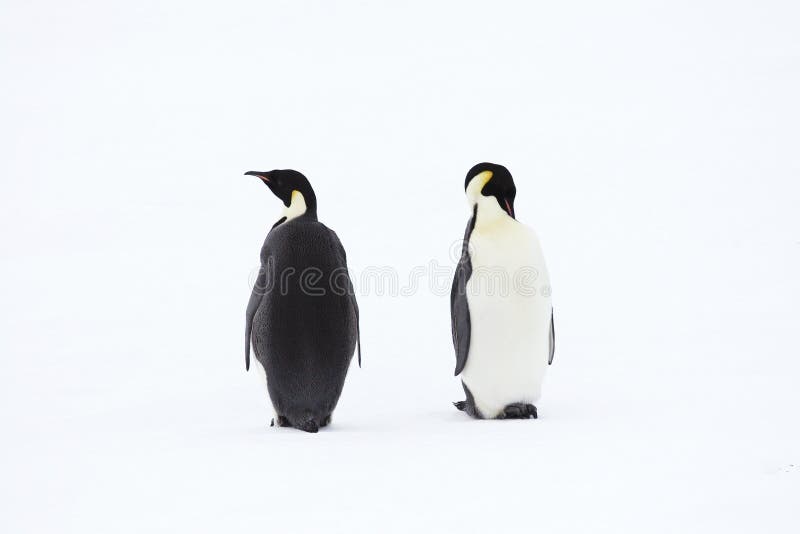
(500, 306)
(302, 316)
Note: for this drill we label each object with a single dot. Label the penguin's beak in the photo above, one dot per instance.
(508, 206)
(263, 175)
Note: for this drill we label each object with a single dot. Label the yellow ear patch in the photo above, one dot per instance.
(297, 205)
(476, 184)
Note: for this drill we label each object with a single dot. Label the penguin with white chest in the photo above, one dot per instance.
(302, 316)
(501, 312)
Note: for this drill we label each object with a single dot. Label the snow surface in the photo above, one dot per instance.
(655, 149)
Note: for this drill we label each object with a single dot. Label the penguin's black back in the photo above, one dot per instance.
(305, 329)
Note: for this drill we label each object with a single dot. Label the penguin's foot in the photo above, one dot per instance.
(468, 405)
(468, 408)
(308, 426)
(519, 410)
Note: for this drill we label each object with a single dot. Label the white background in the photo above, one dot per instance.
(655, 150)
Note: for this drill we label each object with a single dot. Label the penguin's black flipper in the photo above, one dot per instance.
(252, 307)
(351, 293)
(459, 308)
(358, 330)
(552, 339)
(259, 288)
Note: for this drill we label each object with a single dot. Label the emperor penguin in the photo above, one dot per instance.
(302, 316)
(500, 304)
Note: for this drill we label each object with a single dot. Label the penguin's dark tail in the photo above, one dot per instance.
(461, 405)
(308, 426)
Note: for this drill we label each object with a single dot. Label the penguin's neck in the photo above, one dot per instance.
(489, 215)
(299, 207)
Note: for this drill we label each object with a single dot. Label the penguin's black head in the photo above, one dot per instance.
(286, 184)
(491, 180)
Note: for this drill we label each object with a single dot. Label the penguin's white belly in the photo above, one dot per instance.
(509, 305)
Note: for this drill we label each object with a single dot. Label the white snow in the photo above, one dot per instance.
(655, 150)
